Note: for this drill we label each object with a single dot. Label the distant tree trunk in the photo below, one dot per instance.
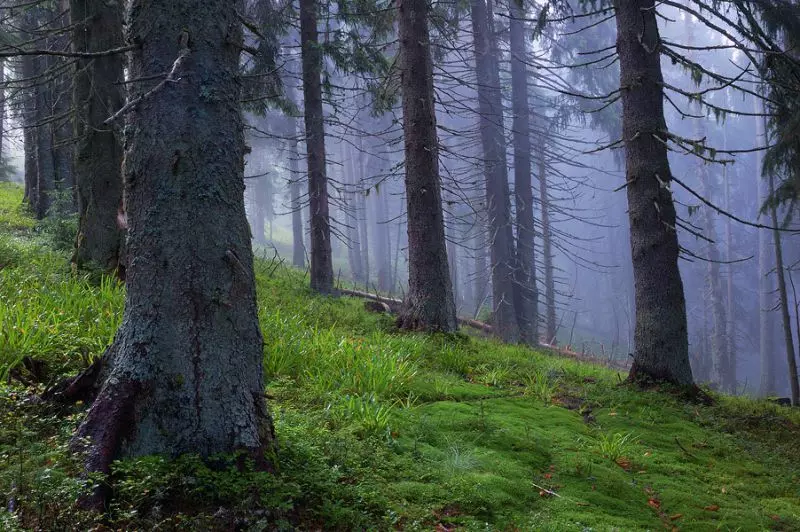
(45, 165)
(260, 197)
(452, 261)
(768, 382)
(98, 153)
(501, 238)
(720, 372)
(480, 244)
(362, 214)
(547, 247)
(321, 256)
(185, 368)
(2, 107)
(429, 304)
(730, 331)
(382, 240)
(794, 385)
(62, 126)
(661, 346)
(351, 217)
(527, 295)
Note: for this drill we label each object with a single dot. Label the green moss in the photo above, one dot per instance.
(385, 430)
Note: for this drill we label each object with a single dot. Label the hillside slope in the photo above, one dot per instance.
(383, 430)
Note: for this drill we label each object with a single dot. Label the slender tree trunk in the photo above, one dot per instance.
(452, 261)
(480, 244)
(547, 246)
(185, 367)
(794, 385)
(383, 244)
(501, 238)
(2, 108)
(351, 217)
(527, 295)
(720, 373)
(765, 285)
(429, 304)
(730, 330)
(363, 221)
(98, 154)
(661, 350)
(63, 152)
(321, 257)
(45, 164)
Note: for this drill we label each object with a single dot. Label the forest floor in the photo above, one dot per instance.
(383, 430)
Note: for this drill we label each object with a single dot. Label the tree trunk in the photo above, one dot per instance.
(661, 350)
(429, 303)
(766, 287)
(501, 238)
(62, 127)
(185, 368)
(383, 244)
(2, 110)
(527, 295)
(321, 259)
(351, 216)
(98, 153)
(730, 329)
(547, 246)
(363, 214)
(794, 385)
(45, 164)
(720, 373)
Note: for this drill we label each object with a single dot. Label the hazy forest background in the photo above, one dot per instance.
(384, 213)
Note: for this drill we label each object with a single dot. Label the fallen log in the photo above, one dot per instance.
(395, 305)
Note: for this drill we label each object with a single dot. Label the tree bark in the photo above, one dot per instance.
(97, 26)
(501, 238)
(794, 385)
(321, 257)
(2, 109)
(527, 294)
(185, 369)
(766, 287)
(429, 303)
(661, 350)
(45, 164)
(547, 246)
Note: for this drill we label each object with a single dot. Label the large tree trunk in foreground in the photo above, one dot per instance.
(526, 295)
(496, 173)
(661, 345)
(321, 256)
(185, 368)
(98, 152)
(429, 303)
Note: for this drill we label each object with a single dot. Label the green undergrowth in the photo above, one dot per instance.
(382, 430)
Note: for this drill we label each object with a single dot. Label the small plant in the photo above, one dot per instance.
(493, 376)
(441, 388)
(615, 446)
(459, 459)
(370, 414)
(539, 385)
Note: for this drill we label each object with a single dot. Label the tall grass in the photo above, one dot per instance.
(48, 313)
